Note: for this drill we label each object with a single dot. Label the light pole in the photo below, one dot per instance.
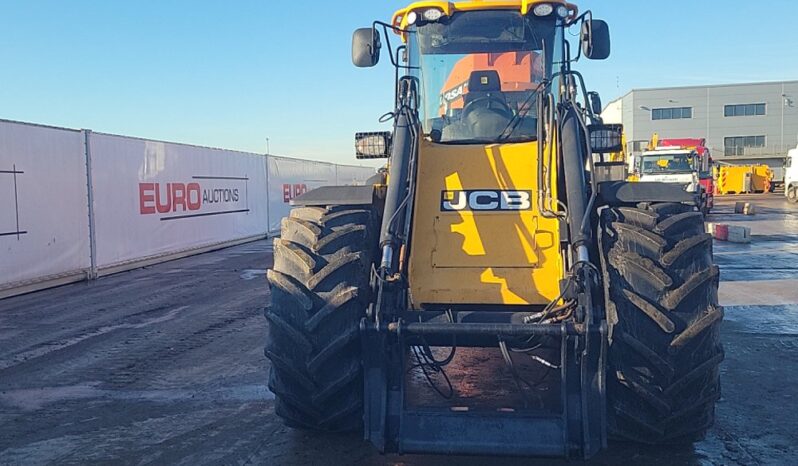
(786, 102)
(268, 148)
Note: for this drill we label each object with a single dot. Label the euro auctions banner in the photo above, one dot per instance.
(290, 178)
(155, 198)
(73, 203)
(44, 218)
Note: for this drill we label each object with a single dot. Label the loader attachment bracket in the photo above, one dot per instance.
(395, 421)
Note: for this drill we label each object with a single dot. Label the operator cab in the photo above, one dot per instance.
(480, 73)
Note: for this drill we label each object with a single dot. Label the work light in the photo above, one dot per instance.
(433, 14)
(544, 9)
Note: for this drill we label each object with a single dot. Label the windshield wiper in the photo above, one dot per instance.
(519, 117)
(464, 142)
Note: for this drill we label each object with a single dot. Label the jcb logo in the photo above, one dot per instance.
(486, 201)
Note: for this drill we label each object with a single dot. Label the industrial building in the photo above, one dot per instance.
(754, 123)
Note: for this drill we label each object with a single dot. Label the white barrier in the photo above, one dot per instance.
(289, 178)
(153, 199)
(77, 204)
(44, 233)
(348, 175)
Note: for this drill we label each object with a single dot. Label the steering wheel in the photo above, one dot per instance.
(487, 102)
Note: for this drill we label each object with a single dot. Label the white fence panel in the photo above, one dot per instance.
(349, 175)
(155, 199)
(289, 178)
(139, 201)
(44, 218)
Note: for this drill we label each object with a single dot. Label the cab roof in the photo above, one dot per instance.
(449, 8)
(668, 151)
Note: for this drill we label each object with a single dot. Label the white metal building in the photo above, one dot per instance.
(743, 123)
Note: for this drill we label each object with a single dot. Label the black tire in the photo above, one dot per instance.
(319, 292)
(792, 194)
(663, 375)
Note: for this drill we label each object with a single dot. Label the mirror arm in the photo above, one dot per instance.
(396, 75)
(393, 55)
(581, 19)
(385, 27)
(589, 17)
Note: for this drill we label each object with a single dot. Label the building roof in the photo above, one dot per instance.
(709, 86)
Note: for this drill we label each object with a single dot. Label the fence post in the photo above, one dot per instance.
(90, 190)
(267, 158)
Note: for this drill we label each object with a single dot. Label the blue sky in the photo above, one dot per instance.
(231, 74)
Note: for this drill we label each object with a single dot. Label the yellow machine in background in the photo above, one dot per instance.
(744, 179)
(621, 155)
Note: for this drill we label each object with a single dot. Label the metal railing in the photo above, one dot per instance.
(771, 151)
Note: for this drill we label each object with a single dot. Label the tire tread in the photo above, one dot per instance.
(665, 350)
(320, 291)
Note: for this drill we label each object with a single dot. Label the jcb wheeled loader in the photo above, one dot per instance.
(495, 292)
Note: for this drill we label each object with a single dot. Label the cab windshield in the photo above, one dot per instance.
(479, 74)
(668, 164)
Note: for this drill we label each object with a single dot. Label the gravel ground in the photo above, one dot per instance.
(165, 366)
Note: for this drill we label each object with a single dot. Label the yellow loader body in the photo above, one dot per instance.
(479, 237)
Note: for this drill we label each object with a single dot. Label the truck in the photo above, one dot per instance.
(687, 162)
(791, 176)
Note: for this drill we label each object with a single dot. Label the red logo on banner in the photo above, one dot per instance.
(177, 197)
(293, 191)
(215, 196)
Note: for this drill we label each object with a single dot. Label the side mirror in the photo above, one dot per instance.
(595, 39)
(606, 139)
(594, 100)
(366, 47)
(373, 145)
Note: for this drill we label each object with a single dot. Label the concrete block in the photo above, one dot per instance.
(745, 208)
(730, 233)
(739, 235)
(720, 232)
